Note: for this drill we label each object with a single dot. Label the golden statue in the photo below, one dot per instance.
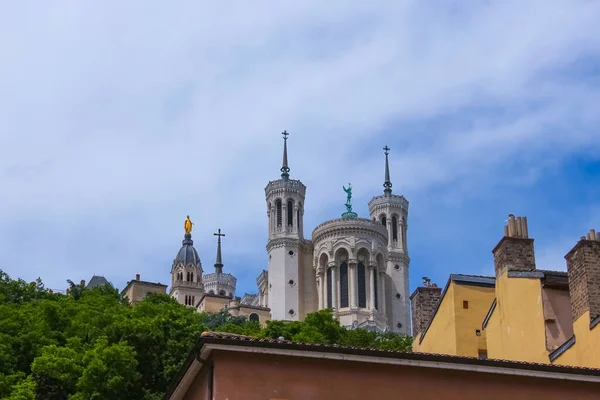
(187, 225)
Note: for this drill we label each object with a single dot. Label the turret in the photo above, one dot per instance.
(391, 210)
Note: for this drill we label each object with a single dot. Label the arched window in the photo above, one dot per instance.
(278, 211)
(383, 221)
(404, 233)
(192, 276)
(298, 218)
(253, 317)
(362, 285)
(329, 304)
(394, 228)
(343, 285)
(185, 301)
(376, 305)
(222, 293)
(193, 300)
(211, 292)
(290, 213)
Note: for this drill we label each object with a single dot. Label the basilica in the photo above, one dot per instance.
(356, 266)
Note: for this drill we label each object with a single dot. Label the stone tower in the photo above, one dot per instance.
(391, 210)
(218, 282)
(186, 274)
(285, 246)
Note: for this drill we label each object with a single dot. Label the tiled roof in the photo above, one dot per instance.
(233, 338)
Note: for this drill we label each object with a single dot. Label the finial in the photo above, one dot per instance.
(387, 184)
(219, 262)
(187, 225)
(285, 170)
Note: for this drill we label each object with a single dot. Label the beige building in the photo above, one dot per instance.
(137, 289)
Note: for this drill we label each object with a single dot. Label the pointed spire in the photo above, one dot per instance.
(219, 262)
(285, 170)
(387, 184)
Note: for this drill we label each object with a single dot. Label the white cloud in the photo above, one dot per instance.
(121, 118)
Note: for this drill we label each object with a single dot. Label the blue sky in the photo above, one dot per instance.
(117, 120)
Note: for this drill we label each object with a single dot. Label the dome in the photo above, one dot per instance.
(187, 254)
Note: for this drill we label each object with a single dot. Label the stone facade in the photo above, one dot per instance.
(424, 300)
(583, 265)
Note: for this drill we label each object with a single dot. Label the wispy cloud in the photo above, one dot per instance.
(120, 119)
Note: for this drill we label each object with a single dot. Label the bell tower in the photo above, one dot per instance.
(285, 247)
(391, 210)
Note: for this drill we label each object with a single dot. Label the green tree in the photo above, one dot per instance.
(92, 344)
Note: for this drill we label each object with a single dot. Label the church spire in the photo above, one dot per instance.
(387, 184)
(285, 170)
(219, 262)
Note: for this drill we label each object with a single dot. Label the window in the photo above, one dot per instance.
(253, 317)
(404, 233)
(362, 288)
(298, 217)
(185, 301)
(465, 304)
(343, 285)
(375, 288)
(290, 213)
(222, 293)
(329, 305)
(394, 228)
(383, 221)
(278, 211)
(192, 276)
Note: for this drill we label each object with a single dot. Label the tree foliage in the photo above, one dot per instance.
(91, 344)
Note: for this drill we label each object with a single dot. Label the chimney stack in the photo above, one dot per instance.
(137, 277)
(82, 283)
(423, 301)
(515, 250)
(583, 266)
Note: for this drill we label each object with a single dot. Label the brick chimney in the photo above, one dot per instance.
(137, 277)
(583, 266)
(515, 250)
(423, 301)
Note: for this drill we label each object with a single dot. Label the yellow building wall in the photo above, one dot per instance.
(468, 321)
(586, 350)
(453, 330)
(517, 331)
(441, 335)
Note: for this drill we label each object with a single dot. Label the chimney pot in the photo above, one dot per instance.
(137, 277)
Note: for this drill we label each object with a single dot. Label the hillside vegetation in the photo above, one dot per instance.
(92, 344)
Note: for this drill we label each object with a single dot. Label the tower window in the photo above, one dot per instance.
(343, 285)
(298, 218)
(394, 228)
(375, 289)
(383, 221)
(278, 211)
(290, 213)
(362, 281)
(404, 233)
(329, 305)
(192, 276)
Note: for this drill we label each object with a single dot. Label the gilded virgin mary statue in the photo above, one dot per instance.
(187, 225)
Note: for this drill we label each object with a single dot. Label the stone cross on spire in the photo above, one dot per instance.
(219, 262)
(388, 183)
(285, 169)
